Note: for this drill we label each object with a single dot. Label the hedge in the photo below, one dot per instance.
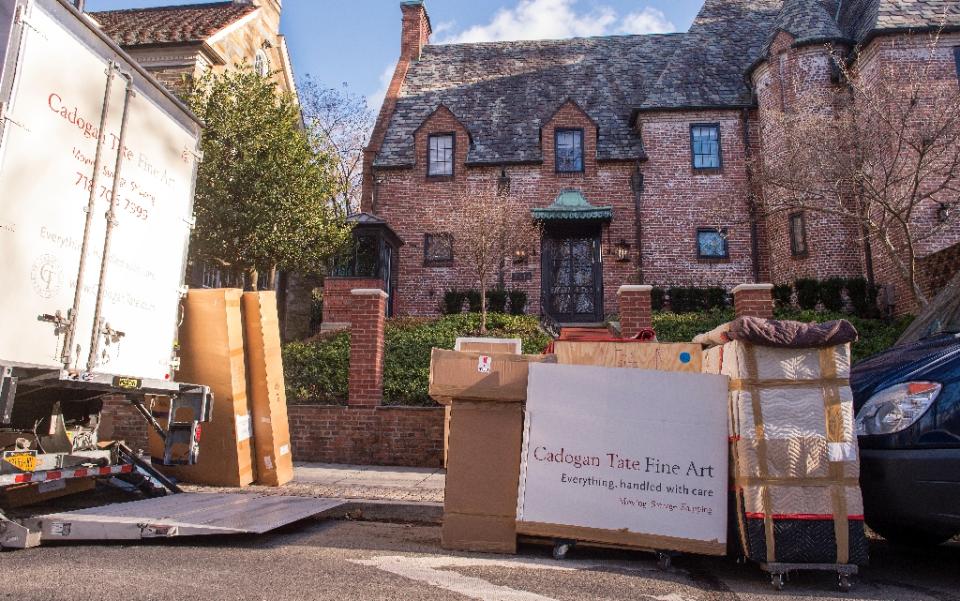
(316, 370)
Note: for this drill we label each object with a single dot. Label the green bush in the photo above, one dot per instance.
(808, 293)
(497, 300)
(783, 295)
(831, 294)
(715, 298)
(875, 334)
(518, 302)
(863, 297)
(473, 301)
(682, 327)
(453, 302)
(317, 370)
(658, 298)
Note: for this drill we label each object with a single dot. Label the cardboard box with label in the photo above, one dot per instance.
(271, 430)
(486, 394)
(212, 353)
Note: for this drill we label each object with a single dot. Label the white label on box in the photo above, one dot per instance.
(264, 420)
(626, 450)
(51, 486)
(59, 529)
(268, 462)
(284, 450)
(244, 427)
(484, 364)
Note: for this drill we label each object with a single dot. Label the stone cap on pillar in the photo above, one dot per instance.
(752, 288)
(368, 292)
(634, 288)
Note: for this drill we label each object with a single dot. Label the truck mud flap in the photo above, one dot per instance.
(186, 514)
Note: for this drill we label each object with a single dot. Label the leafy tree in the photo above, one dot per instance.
(264, 191)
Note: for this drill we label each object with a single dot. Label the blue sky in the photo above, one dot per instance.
(357, 41)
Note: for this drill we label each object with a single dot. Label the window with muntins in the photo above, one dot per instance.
(440, 159)
(569, 150)
(705, 146)
(712, 243)
(437, 249)
(798, 235)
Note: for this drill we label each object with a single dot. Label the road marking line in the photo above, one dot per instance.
(429, 570)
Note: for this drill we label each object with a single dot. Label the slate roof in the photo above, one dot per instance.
(190, 23)
(504, 92)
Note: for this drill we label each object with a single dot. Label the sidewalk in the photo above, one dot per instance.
(355, 482)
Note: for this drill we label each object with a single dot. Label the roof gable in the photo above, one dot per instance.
(183, 24)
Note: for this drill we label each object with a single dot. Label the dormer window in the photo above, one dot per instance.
(568, 145)
(440, 155)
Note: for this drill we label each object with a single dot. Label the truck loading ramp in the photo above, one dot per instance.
(185, 514)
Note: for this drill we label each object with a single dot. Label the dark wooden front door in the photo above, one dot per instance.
(572, 287)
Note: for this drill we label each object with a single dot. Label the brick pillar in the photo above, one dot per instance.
(367, 319)
(635, 309)
(338, 301)
(753, 300)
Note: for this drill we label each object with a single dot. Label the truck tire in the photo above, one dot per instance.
(909, 536)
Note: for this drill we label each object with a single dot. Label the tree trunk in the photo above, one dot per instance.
(272, 279)
(483, 309)
(252, 277)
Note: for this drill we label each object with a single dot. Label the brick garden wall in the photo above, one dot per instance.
(404, 436)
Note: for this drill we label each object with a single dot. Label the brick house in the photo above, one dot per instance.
(632, 149)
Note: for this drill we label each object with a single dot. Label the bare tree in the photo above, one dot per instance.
(342, 122)
(489, 229)
(881, 151)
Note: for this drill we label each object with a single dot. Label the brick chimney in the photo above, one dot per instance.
(414, 35)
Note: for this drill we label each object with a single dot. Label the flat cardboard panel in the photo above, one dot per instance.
(682, 357)
(621, 539)
(512, 346)
(461, 375)
(636, 453)
(268, 400)
(211, 353)
(481, 533)
(484, 467)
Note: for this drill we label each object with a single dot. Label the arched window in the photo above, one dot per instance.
(261, 64)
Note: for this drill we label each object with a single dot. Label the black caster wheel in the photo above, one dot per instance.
(844, 583)
(664, 561)
(778, 581)
(561, 548)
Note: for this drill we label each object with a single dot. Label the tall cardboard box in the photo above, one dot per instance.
(268, 400)
(486, 394)
(211, 353)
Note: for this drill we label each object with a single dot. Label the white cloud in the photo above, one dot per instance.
(554, 19)
(375, 100)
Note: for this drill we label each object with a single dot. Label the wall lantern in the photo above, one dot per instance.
(520, 257)
(503, 183)
(944, 212)
(623, 251)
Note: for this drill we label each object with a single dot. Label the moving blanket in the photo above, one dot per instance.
(794, 452)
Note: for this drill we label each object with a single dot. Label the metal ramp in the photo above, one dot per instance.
(185, 514)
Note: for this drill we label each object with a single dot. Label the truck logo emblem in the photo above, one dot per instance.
(47, 276)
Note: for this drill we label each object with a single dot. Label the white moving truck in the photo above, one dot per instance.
(97, 170)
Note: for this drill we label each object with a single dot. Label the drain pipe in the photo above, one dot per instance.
(751, 199)
(636, 182)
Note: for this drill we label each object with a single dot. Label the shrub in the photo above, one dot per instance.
(808, 293)
(453, 302)
(715, 298)
(863, 297)
(317, 370)
(473, 301)
(518, 302)
(831, 294)
(497, 300)
(658, 298)
(674, 327)
(783, 294)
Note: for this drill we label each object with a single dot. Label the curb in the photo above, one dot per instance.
(401, 512)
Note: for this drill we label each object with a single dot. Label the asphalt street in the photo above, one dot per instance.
(347, 560)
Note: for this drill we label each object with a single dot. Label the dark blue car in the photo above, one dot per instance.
(908, 420)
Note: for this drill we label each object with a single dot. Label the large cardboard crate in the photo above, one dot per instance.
(212, 353)
(268, 399)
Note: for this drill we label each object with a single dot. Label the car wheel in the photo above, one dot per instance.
(907, 536)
